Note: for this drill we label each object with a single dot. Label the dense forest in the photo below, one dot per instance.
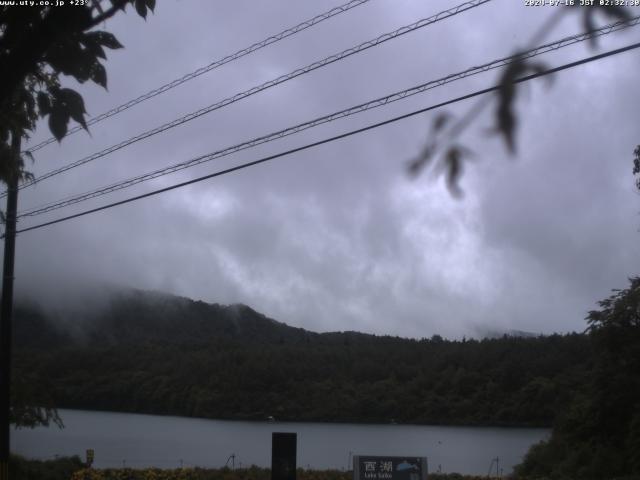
(598, 435)
(152, 353)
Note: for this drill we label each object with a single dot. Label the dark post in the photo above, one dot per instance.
(6, 312)
(283, 456)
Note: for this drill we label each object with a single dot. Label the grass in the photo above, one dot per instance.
(72, 468)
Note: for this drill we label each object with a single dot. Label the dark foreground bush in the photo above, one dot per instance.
(59, 469)
(253, 473)
(72, 468)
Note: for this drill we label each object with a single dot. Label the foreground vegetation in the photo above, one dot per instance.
(253, 473)
(598, 436)
(60, 469)
(71, 468)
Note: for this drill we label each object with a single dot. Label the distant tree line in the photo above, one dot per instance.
(232, 363)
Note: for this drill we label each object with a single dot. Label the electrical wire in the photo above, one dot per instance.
(272, 83)
(562, 43)
(213, 65)
(494, 88)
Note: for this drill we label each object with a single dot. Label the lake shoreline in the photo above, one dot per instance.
(261, 419)
(145, 441)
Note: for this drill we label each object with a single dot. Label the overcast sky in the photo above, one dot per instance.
(339, 237)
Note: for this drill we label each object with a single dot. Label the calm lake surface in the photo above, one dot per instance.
(150, 440)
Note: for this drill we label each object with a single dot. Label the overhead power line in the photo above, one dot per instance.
(564, 42)
(213, 65)
(272, 83)
(494, 88)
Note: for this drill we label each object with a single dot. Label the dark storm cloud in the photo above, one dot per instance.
(339, 238)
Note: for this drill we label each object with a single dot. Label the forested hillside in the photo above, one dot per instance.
(154, 353)
(598, 435)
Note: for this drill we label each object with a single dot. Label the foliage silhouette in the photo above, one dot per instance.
(599, 435)
(443, 151)
(39, 45)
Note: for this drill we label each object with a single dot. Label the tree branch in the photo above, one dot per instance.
(117, 5)
(30, 52)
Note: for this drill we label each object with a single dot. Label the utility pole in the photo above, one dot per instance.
(6, 312)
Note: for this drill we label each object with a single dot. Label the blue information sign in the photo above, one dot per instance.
(367, 467)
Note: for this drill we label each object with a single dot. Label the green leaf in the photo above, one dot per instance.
(636, 166)
(417, 164)
(71, 59)
(29, 102)
(72, 102)
(440, 121)
(58, 120)
(141, 8)
(615, 12)
(453, 163)
(588, 24)
(92, 44)
(107, 39)
(44, 103)
(71, 98)
(506, 120)
(99, 75)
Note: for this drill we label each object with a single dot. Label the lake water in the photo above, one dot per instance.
(167, 442)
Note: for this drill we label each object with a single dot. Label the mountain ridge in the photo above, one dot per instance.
(130, 315)
(141, 316)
